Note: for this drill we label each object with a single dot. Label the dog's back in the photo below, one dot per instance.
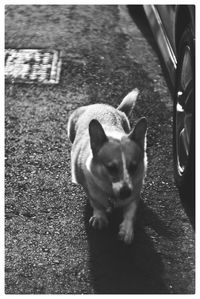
(79, 120)
(103, 113)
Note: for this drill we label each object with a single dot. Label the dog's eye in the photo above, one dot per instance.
(112, 168)
(132, 168)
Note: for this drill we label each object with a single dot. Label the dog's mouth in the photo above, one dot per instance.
(124, 193)
(117, 201)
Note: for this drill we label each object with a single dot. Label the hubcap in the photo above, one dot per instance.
(184, 111)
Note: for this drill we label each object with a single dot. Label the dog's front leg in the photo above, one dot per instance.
(126, 229)
(99, 218)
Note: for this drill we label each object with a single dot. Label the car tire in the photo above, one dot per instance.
(184, 116)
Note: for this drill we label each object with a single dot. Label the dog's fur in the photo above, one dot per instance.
(109, 160)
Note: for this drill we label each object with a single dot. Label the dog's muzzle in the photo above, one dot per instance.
(124, 192)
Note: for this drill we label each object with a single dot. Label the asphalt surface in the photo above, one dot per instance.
(49, 246)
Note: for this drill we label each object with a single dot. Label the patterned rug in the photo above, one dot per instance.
(39, 66)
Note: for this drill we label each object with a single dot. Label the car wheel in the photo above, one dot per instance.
(184, 105)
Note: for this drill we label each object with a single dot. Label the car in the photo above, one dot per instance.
(173, 28)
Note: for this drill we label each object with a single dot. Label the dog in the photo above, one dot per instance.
(109, 160)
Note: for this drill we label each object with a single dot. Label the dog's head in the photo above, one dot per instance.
(118, 160)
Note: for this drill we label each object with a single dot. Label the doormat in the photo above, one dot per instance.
(32, 66)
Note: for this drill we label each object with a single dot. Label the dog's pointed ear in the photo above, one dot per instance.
(139, 132)
(128, 103)
(97, 136)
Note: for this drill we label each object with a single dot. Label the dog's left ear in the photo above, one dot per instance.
(97, 136)
(138, 133)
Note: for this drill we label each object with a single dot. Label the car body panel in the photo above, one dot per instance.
(167, 15)
(163, 20)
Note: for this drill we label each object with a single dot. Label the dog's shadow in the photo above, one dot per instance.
(120, 269)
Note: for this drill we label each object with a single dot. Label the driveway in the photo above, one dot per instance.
(49, 246)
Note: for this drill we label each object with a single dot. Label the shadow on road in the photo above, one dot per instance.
(187, 197)
(120, 269)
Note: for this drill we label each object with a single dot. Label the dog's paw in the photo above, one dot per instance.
(98, 221)
(126, 232)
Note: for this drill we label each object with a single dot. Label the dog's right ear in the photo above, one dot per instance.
(97, 136)
(139, 132)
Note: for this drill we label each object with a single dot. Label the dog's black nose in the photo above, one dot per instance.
(124, 192)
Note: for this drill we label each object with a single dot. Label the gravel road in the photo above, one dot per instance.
(49, 247)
